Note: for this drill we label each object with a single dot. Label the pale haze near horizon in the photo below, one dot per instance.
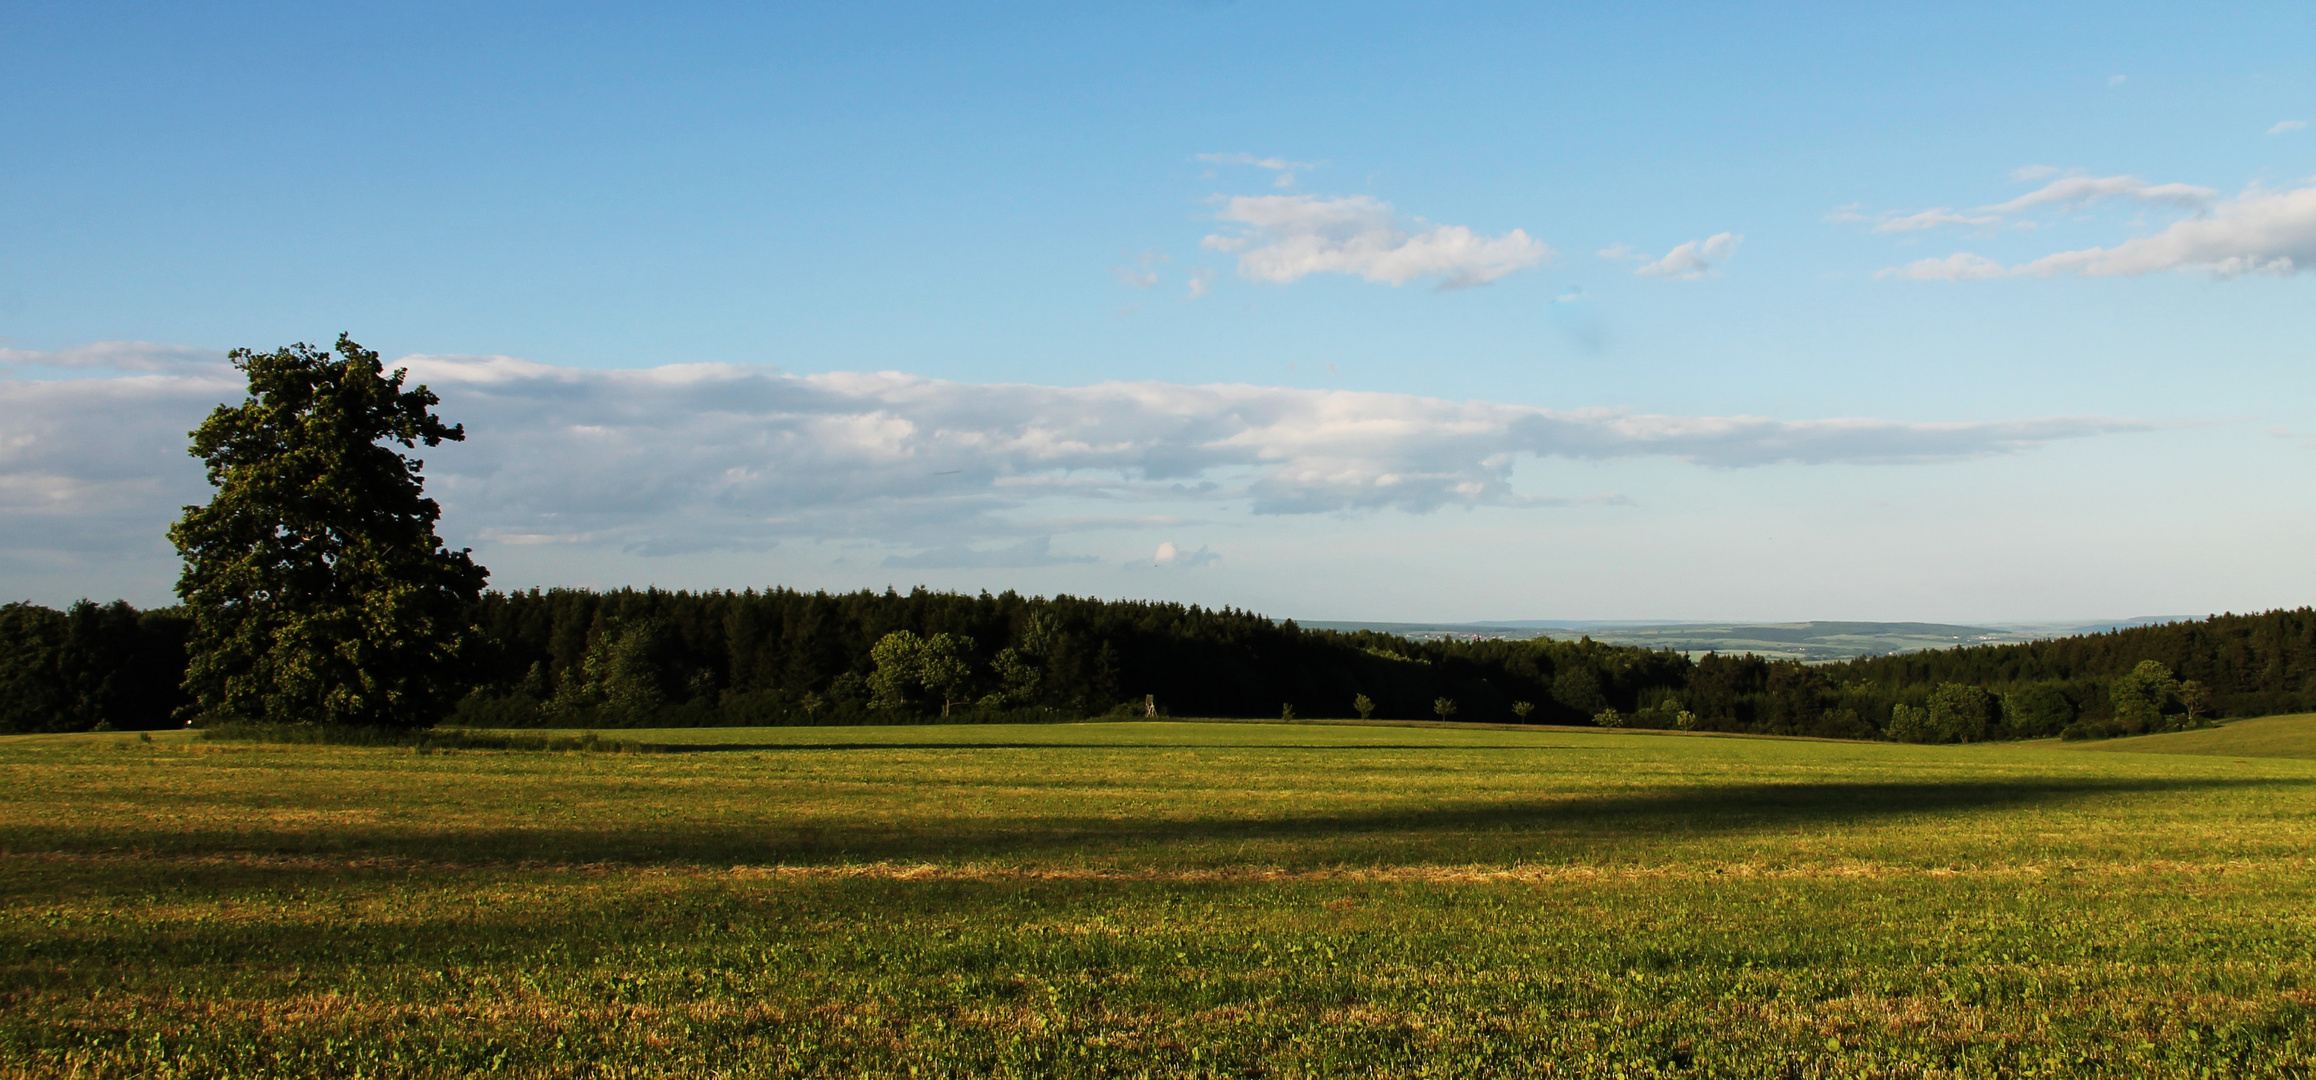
(1343, 312)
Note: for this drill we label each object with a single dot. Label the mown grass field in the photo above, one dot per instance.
(1159, 900)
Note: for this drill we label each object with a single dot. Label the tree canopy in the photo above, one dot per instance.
(318, 590)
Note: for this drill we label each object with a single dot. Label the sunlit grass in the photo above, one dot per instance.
(1154, 899)
(2265, 736)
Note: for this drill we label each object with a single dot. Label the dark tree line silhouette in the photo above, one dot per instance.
(782, 656)
(579, 658)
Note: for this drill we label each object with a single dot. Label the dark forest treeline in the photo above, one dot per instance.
(2253, 665)
(90, 666)
(790, 657)
(576, 658)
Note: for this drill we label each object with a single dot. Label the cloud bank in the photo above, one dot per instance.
(1284, 238)
(715, 457)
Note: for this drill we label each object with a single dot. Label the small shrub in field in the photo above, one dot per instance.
(1609, 718)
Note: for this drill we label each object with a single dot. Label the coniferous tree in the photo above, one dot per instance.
(318, 589)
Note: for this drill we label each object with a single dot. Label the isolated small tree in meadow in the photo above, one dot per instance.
(1609, 718)
(1286, 711)
(1445, 707)
(318, 589)
(1363, 705)
(1523, 710)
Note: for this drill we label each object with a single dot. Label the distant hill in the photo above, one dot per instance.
(1807, 641)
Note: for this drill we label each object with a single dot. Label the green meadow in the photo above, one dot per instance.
(1162, 899)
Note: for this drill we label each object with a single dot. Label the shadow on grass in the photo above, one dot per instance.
(1473, 830)
(691, 748)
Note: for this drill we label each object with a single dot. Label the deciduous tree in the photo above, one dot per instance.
(318, 588)
(2195, 697)
(2140, 695)
(1960, 712)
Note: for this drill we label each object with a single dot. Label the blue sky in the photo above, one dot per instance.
(1495, 282)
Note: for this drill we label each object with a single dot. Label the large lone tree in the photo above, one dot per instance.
(319, 591)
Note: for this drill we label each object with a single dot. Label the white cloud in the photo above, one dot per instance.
(2068, 193)
(95, 468)
(2075, 192)
(1201, 282)
(1621, 252)
(1171, 557)
(2260, 231)
(1275, 163)
(1693, 260)
(1932, 218)
(115, 356)
(1288, 237)
(706, 456)
(1143, 273)
(1961, 266)
(1892, 221)
(1035, 551)
(2117, 80)
(2284, 127)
